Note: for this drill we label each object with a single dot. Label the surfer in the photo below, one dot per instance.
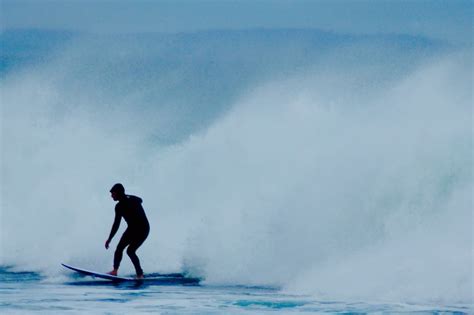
(130, 208)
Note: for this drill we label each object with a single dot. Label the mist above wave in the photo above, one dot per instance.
(323, 163)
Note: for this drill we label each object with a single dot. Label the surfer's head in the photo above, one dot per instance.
(117, 191)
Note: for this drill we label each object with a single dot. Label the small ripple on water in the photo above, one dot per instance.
(269, 304)
(9, 275)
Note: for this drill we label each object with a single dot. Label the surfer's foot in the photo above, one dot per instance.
(113, 272)
(140, 277)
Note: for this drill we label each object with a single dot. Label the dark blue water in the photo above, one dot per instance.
(25, 292)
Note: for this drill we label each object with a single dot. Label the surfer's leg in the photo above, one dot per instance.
(124, 241)
(131, 252)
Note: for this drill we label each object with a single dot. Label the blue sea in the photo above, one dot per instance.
(25, 292)
(292, 170)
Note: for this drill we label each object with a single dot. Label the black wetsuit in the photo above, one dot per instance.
(130, 208)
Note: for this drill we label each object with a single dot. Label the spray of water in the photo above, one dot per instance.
(348, 178)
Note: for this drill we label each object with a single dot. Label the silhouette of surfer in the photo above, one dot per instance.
(130, 208)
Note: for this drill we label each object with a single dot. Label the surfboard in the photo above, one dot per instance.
(156, 278)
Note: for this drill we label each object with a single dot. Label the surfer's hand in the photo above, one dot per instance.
(107, 242)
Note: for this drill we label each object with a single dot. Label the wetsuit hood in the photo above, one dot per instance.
(119, 189)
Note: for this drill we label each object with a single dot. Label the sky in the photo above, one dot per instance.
(448, 20)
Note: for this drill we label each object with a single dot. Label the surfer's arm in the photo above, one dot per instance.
(114, 229)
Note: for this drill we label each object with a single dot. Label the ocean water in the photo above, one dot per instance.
(293, 170)
(24, 292)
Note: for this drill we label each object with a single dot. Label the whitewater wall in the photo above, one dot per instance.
(328, 164)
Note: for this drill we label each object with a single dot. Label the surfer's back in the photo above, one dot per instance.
(131, 209)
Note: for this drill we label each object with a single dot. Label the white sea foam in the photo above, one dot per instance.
(342, 179)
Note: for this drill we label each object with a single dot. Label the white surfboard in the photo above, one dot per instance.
(172, 278)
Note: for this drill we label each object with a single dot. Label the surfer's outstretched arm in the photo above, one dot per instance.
(114, 229)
